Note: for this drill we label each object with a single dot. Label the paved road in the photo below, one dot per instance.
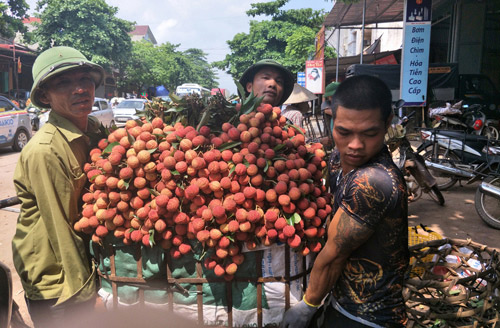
(457, 219)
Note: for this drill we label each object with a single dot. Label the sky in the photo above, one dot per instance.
(202, 24)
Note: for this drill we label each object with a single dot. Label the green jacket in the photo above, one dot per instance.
(50, 257)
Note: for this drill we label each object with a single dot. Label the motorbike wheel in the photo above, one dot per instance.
(490, 131)
(436, 195)
(488, 207)
(443, 181)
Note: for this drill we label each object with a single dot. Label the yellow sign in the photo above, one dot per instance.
(439, 70)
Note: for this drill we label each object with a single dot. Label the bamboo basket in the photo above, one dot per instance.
(459, 287)
(173, 285)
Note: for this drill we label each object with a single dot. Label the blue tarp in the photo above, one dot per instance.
(161, 91)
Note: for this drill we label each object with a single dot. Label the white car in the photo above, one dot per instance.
(127, 110)
(101, 109)
(15, 125)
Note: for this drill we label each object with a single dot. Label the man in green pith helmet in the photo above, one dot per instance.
(50, 257)
(326, 105)
(269, 79)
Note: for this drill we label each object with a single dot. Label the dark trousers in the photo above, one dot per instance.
(44, 314)
(328, 316)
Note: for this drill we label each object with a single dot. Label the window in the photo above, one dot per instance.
(5, 106)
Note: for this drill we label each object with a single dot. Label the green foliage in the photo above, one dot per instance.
(198, 111)
(11, 14)
(165, 65)
(288, 38)
(90, 26)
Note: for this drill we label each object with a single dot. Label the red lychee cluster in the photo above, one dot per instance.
(254, 183)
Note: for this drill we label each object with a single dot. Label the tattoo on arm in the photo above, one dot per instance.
(350, 234)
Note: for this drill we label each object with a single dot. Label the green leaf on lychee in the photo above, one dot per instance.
(266, 167)
(230, 238)
(92, 178)
(151, 151)
(293, 219)
(229, 145)
(126, 184)
(175, 110)
(130, 138)
(279, 147)
(153, 192)
(296, 128)
(232, 170)
(107, 150)
(175, 172)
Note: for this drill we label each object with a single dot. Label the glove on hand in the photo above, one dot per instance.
(298, 316)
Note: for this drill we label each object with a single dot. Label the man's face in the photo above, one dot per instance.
(268, 82)
(358, 135)
(70, 94)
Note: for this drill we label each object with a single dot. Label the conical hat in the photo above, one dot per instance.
(300, 94)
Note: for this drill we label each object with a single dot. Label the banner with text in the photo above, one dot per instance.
(315, 77)
(301, 79)
(415, 55)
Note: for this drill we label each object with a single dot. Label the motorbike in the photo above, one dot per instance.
(473, 121)
(417, 176)
(454, 156)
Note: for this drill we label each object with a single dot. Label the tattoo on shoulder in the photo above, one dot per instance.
(350, 234)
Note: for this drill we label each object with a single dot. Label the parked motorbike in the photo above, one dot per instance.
(417, 176)
(472, 121)
(455, 156)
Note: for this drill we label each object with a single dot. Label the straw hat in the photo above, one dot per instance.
(299, 95)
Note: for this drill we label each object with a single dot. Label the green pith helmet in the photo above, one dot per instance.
(331, 88)
(288, 78)
(55, 61)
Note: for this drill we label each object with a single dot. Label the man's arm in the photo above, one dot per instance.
(345, 234)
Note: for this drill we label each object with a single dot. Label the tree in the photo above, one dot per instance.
(288, 38)
(87, 25)
(152, 65)
(11, 15)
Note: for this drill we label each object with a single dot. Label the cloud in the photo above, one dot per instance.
(164, 29)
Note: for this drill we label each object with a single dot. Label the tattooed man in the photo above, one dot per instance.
(363, 263)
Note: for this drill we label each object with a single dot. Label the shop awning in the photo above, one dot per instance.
(377, 11)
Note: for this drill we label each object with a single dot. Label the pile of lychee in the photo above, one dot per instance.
(173, 186)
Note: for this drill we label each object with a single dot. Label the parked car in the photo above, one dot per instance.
(101, 109)
(127, 110)
(15, 125)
